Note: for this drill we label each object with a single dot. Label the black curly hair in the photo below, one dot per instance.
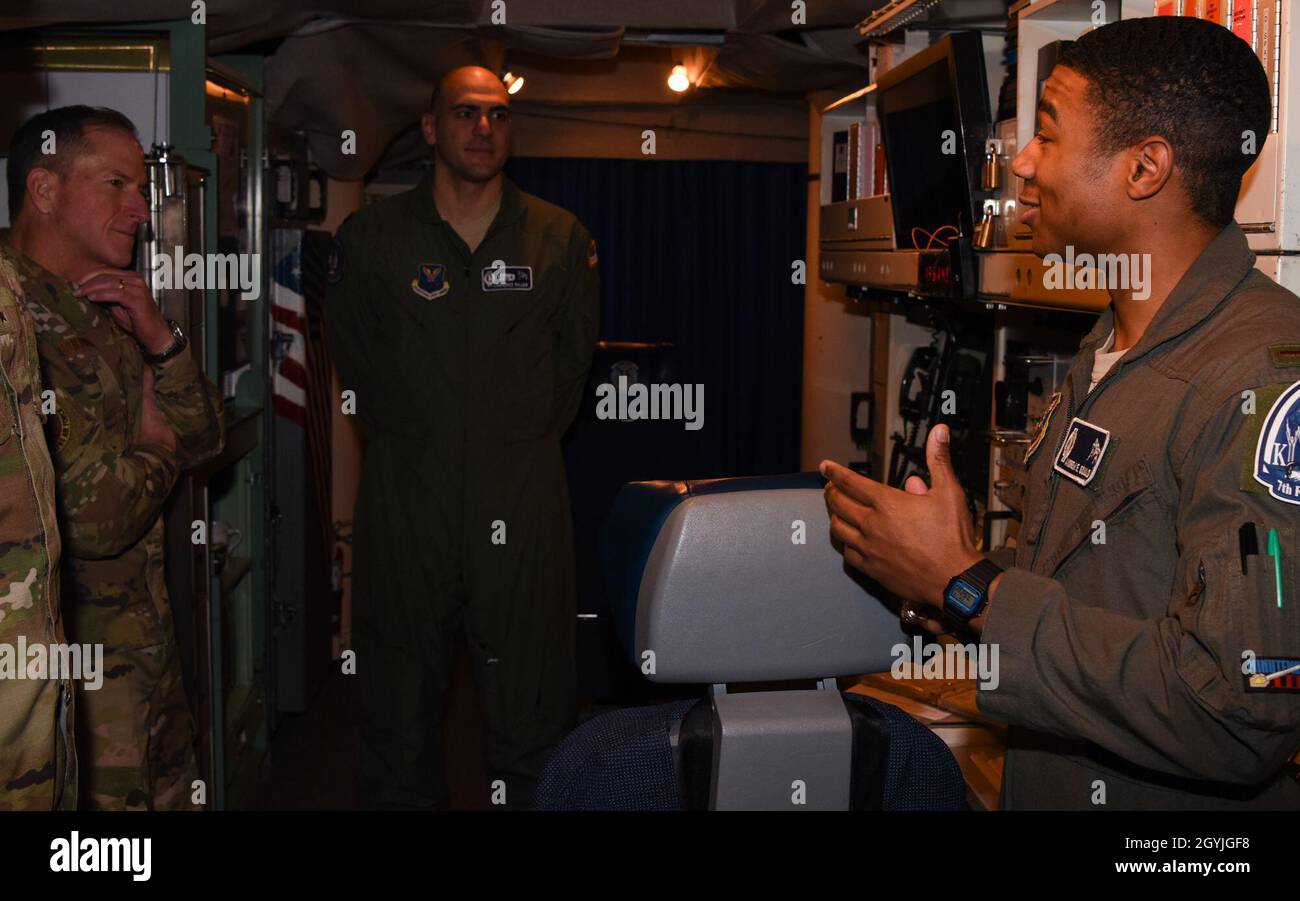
(1192, 82)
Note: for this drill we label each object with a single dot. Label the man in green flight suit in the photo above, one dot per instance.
(463, 316)
(38, 765)
(132, 410)
(1146, 626)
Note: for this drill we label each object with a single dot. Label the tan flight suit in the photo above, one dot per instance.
(1121, 661)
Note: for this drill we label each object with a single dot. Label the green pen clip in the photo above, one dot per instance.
(1275, 550)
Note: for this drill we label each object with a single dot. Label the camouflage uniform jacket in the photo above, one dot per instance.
(37, 767)
(111, 485)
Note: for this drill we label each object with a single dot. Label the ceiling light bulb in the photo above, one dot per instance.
(679, 80)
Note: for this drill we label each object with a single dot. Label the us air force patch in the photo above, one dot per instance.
(334, 266)
(431, 281)
(1274, 674)
(500, 277)
(1277, 466)
(1043, 425)
(1082, 451)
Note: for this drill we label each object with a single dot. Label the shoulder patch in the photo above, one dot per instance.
(591, 254)
(334, 267)
(1275, 463)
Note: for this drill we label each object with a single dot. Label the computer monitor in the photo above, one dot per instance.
(934, 114)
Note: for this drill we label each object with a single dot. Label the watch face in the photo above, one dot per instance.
(964, 597)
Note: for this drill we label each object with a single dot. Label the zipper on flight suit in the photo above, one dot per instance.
(1106, 379)
(1056, 478)
(467, 267)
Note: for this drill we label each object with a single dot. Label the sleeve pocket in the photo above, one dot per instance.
(1240, 619)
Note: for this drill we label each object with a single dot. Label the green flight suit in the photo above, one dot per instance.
(467, 368)
(38, 765)
(135, 733)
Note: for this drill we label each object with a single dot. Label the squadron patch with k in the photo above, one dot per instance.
(1082, 451)
(1276, 465)
(430, 281)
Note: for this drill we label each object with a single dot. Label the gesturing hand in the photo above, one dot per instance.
(913, 541)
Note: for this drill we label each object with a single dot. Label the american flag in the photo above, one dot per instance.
(289, 315)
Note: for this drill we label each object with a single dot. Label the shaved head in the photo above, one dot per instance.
(468, 125)
(466, 77)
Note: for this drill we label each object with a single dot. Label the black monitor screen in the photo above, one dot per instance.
(930, 132)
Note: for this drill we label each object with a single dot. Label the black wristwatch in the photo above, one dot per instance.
(179, 343)
(967, 593)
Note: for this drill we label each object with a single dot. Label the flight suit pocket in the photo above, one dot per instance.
(1261, 625)
(1121, 499)
(1239, 625)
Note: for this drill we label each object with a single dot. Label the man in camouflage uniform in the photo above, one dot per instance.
(132, 411)
(37, 763)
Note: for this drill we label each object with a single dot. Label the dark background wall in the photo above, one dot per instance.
(696, 255)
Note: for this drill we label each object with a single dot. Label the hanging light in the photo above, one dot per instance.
(514, 83)
(679, 81)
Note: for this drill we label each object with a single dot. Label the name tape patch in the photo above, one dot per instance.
(500, 277)
(1082, 451)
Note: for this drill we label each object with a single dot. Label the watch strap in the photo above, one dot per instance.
(177, 345)
(983, 573)
(979, 575)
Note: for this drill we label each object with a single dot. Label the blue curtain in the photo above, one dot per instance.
(699, 254)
